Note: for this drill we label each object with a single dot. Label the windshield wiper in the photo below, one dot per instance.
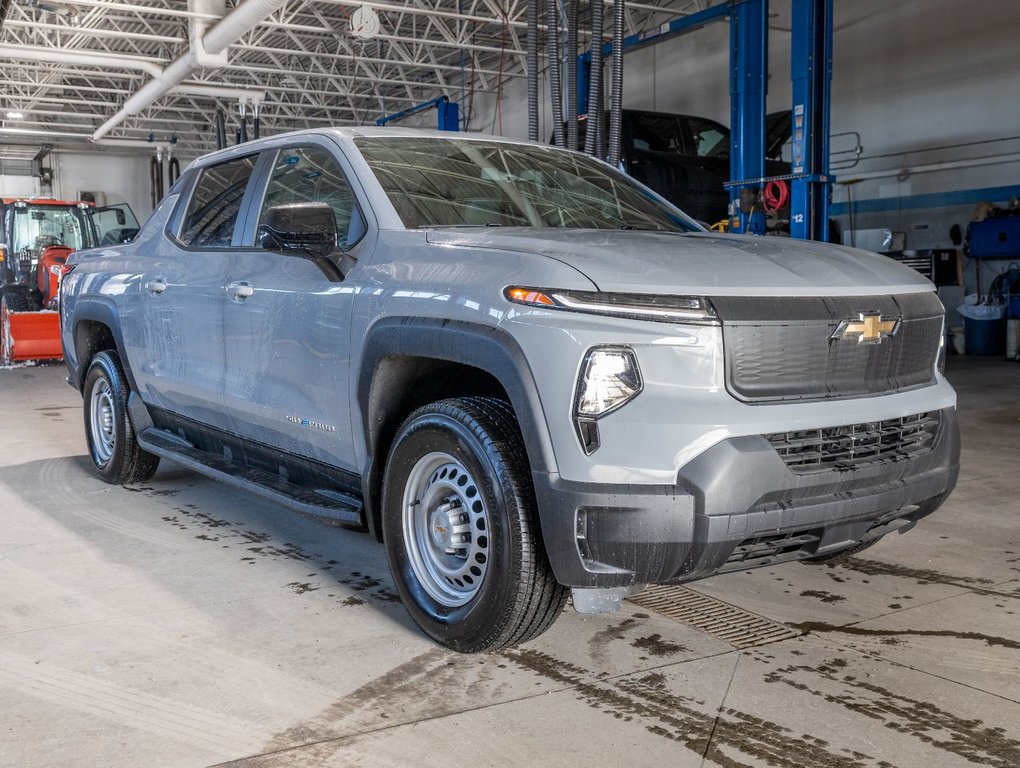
(633, 228)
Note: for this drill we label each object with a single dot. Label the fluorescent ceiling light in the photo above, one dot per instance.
(14, 115)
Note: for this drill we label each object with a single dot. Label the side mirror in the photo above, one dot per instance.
(306, 227)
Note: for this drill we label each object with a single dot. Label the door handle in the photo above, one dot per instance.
(239, 291)
(156, 286)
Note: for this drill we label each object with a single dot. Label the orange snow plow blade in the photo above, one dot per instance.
(33, 336)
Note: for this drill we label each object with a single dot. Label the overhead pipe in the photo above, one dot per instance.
(572, 62)
(82, 58)
(221, 130)
(91, 31)
(156, 179)
(552, 12)
(242, 134)
(593, 138)
(207, 50)
(616, 87)
(248, 95)
(532, 62)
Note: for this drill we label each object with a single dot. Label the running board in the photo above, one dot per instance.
(333, 505)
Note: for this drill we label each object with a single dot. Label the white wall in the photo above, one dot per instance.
(18, 186)
(124, 178)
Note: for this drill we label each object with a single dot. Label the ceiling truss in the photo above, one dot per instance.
(313, 70)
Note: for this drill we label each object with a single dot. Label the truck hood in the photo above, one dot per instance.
(699, 263)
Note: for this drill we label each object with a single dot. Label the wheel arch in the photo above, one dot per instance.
(96, 327)
(409, 362)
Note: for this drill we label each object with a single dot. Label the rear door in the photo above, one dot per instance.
(175, 339)
(287, 325)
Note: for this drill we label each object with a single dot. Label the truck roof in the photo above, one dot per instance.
(44, 201)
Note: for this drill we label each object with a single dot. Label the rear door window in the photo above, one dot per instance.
(215, 204)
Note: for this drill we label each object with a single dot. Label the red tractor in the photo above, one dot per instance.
(37, 237)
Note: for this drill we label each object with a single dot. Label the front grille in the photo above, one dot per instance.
(809, 450)
(781, 349)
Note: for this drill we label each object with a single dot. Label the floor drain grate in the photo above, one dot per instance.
(738, 627)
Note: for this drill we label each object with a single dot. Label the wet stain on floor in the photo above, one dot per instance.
(921, 719)
(819, 627)
(722, 737)
(921, 575)
(655, 645)
(825, 597)
(237, 534)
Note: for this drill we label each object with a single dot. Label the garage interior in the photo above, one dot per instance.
(181, 623)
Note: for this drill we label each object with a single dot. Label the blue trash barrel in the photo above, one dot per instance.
(984, 337)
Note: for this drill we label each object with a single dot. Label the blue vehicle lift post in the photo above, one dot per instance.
(811, 73)
(448, 113)
(748, 86)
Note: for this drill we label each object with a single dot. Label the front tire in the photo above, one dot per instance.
(460, 529)
(111, 439)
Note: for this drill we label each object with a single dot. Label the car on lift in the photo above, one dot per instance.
(686, 158)
(525, 373)
(38, 234)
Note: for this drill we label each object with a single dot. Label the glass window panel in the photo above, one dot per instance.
(212, 212)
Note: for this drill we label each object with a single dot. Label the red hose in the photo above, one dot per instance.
(775, 196)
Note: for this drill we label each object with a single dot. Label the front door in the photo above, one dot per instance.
(287, 324)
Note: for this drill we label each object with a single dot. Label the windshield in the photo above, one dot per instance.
(38, 226)
(452, 182)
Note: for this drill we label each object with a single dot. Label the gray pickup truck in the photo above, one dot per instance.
(526, 374)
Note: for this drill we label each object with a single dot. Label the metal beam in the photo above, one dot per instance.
(811, 72)
(748, 86)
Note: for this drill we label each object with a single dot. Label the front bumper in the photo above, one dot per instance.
(734, 507)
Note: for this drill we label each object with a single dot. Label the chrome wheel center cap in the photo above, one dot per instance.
(441, 527)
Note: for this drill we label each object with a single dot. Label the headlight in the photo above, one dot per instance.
(940, 360)
(637, 306)
(609, 378)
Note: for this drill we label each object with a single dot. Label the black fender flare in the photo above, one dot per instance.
(103, 311)
(487, 348)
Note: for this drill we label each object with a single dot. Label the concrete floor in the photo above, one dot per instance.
(182, 623)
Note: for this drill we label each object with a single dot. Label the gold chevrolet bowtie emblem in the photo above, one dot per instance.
(867, 329)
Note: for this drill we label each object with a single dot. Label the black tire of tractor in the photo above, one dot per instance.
(517, 598)
(115, 453)
(11, 300)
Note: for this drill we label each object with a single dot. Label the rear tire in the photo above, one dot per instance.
(111, 438)
(460, 529)
(10, 301)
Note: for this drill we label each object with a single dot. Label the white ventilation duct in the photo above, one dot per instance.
(243, 95)
(208, 49)
(81, 58)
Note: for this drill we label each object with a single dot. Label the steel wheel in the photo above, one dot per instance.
(111, 439)
(446, 525)
(102, 421)
(460, 527)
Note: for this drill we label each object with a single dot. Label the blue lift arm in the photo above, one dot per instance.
(448, 113)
